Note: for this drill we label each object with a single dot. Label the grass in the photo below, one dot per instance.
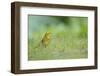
(63, 45)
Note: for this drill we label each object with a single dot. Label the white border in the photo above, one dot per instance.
(25, 64)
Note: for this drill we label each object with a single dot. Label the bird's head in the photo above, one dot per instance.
(48, 34)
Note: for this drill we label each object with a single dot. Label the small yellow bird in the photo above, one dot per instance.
(46, 39)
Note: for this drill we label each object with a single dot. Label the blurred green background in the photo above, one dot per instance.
(68, 37)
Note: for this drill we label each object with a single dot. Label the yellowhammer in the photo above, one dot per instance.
(46, 39)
